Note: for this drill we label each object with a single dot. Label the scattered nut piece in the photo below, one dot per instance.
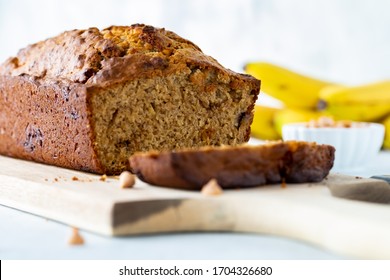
(212, 188)
(103, 177)
(56, 179)
(126, 180)
(76, 238)
(74, 178)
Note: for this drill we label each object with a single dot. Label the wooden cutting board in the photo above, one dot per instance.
(307, 212)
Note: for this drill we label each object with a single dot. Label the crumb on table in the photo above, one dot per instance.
(76, 238)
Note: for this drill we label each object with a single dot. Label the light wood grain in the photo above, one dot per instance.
(307, 212)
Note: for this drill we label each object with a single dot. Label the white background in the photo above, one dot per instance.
(346, 41)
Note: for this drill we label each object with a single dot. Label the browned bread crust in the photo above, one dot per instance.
(88, 99)
(235, 167)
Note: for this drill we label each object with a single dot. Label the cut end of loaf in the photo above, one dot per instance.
(169, 112)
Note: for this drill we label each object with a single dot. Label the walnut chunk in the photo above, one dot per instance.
(126, 180)
(76, 238)
(212, 188)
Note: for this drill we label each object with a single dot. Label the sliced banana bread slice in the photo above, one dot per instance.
(235, 167)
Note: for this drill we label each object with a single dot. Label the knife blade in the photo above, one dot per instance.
(375, 189)
(382, 177)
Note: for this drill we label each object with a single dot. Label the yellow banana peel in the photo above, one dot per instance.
(386, 142)
(263, 126)
(287, 116)
(293, 89)
(369, 94)
(369, 102)
(327, 91)
(358, 112)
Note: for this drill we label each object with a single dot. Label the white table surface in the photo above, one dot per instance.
(25, 236)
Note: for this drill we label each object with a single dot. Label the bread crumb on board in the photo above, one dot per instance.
(126, 180)
(76, 238)
(212, 188)
(79, 179)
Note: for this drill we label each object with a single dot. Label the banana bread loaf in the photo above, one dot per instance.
(88, 99)
(232, 167)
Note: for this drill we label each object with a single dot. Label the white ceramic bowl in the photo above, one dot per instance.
(355, 146)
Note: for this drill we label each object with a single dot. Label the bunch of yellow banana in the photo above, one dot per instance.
(306, 98)
(293, 89)
(298, 93)
(268, 121)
